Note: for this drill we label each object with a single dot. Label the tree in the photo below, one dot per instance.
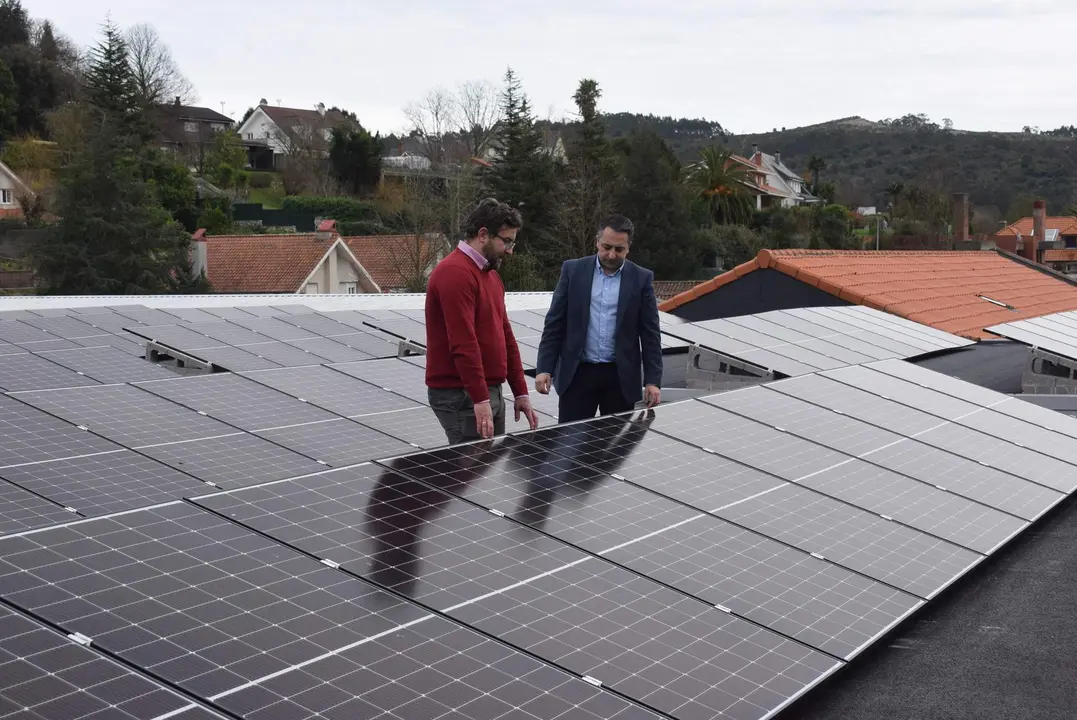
(721, 184)
(111, 86)
(650, 193)
(114, 237)
(816, 165)
(246, 115)
(525, 176)
(225, 161)
(587, 185)
(9, 104)
(736, 244)
(305, 147)
(355, 157)
(477, 114)
(431, 122)
(14, 23)
(156, 76)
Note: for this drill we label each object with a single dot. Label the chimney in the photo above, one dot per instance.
(777, 156)
(1039, 210)
(327, 230)
(961, 218)
(321, 109)
(177, 101)
(199, 259)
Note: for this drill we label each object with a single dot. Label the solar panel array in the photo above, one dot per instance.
(806, 340)
(297, 542)
(1056, 333)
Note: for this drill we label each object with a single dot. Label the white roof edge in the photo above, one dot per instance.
(360, 301)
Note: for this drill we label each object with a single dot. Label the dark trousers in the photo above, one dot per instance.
(456, 413)
(595, 386)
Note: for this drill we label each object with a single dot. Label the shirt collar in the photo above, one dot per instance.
(598, 268)
(476, 256)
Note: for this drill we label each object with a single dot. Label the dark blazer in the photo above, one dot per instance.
(565, 332)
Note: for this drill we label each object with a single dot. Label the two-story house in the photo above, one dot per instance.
(189, 132)
(773, 183)
(11, 189)
(271, 133)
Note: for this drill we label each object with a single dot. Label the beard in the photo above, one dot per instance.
(489, 251)
(611, 265)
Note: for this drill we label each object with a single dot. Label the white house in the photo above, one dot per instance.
(791, 187)
(11, 189)
(271, 132)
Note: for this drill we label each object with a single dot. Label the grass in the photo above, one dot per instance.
(270, 198)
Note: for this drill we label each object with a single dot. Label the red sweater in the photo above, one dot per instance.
(469, 341)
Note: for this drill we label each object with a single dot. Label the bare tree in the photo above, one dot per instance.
(478, 111)
(431, 121)
(158, 77)
(305, 147)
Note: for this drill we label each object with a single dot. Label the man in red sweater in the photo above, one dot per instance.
(470, 348)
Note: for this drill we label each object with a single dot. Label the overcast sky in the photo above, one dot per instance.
(751, 65)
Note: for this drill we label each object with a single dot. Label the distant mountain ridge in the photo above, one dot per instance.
(864, 157)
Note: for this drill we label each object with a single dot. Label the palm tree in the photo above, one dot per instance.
(722, 183)
(816, 164)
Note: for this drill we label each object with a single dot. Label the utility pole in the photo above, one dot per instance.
(878, 222)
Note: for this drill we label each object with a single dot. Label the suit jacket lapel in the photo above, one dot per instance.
(586, 285)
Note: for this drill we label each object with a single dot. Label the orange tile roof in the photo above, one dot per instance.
(392, 260)
(262, 263)
(1065, 224)
(1060, 255)
(665, 289)
(936, 288)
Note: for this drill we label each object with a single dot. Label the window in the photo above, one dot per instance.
(218, 127)
(312, 288)
(190, 127)
(5, 197)
(349, 288)
(250, 136)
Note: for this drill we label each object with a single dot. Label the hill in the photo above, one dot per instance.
(864, 157)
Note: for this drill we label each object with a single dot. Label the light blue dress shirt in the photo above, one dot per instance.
(602, 326)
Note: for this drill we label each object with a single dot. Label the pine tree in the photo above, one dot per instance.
(111, 87)
(525, 176)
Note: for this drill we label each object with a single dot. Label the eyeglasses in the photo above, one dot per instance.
(509, 242)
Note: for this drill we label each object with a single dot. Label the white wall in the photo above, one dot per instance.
(261, 127)
(8, 183)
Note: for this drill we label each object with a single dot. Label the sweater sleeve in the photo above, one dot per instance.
(458, 293)
(517, 382)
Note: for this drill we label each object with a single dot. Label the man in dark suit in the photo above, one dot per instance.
(602, 316)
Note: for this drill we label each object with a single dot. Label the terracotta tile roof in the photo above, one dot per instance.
(1065, 224)
(937, 288)
(665, 289)
(262, 263)
(393, 260)
(1060, 255)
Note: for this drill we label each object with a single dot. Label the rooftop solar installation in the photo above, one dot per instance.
(296, 540)
(1056, 333)
(806, 340)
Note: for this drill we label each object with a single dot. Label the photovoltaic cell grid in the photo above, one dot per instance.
(1056, 333)
(675, 653)
(806, 340)
(783, 589)
(45, 675)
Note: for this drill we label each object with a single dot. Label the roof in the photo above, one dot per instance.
(262, 263)
(1065, 224)
(286, 118)
(665, 289)
(190, 112)
(943, 289)
(393, 260)
(18, 181)
(1060, 255)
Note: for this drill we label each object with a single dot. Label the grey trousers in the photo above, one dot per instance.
(456, 413)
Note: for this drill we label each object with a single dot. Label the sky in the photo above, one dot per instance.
(751, 65)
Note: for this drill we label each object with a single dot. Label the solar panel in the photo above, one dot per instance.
(906, 333)
(785, 349)
(273, 328)
(675, 653)
(992, 451)
(917, 457)
(283, 354)
(746, 352)
(110, 322)
(293, 309)
(125, 414)
(30, 435)
(103, 483)
(328, 349)
(721, 564)
(860, 540)
(823, 346)
(404, 328)
(228, 333)
(145, 315)
(860, 342)
(21, 510)
(193, 315)
(18, 332)
(237, 400)
(46, 676)
(368, 343)
(318, 324)
(332, 390)
(900, 326)
(399, 377)
(128, 344)
(43, 345)
(175, 336)
(193, 598)
(235, 460)
(107, 365)
(25, 371)
(263, 311)
(50, 312)
(336, 442)
(234, 359)
(67, 326)
(416, 426)
(228, 313)
(351, 318)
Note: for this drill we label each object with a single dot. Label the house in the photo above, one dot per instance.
(772, 182)
(397, 263)
(312, 263)
(11, 189)
(189, 131)
(958, 292)
(665, 289)
(271, 133)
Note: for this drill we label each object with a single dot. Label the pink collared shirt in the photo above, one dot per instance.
(474, 254)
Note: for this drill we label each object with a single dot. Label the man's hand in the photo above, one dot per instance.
(484, 420)
(652, 395)
(542, 384)
(522, 404)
